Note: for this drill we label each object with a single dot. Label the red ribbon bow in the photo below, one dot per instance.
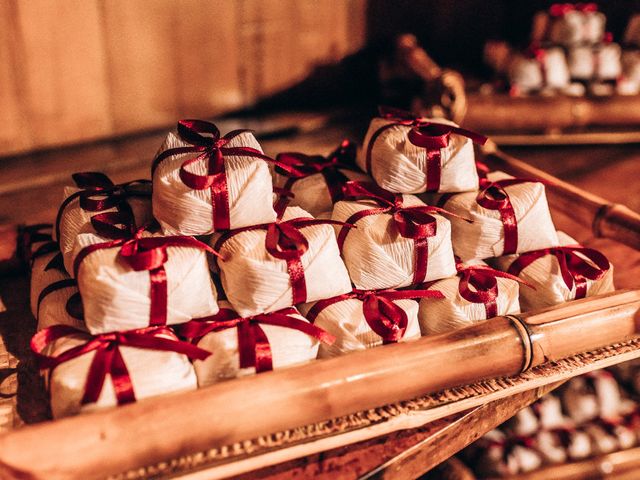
(574, 267)
(329, 167)
(99, 193)
(148, 253)
(285, 241)
(561, 9)
(426, 134)
(484, 281)
(416, 222)
(253, 344)
(108, 359)
(204, 138)
(385, 318)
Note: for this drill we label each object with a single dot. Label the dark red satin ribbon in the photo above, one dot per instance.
(416, 222)
(253, 346)
(431, 136)
(561, 9)
(342, 158)
(99, 193)
(73, 306)
(383, 316)
(108, 359)
(484, 281)
(573, 267)
(285, 241)
(150, 254)
(205, 140)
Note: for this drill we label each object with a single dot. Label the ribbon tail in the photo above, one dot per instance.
(97, 375)
(263, 354)
(121, 379)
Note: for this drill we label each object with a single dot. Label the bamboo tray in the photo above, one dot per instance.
(250, 423)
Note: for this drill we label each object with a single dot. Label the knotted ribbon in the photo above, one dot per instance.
(342, 158)
(98, 193)
(205, 141)
(431, 136)
(415, 222)
(285, 241)
(574, 262)
(142, 254)
(484, 281)
(384, 317)
(108, 358)
(253, 345)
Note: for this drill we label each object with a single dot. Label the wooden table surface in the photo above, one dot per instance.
(32, 189)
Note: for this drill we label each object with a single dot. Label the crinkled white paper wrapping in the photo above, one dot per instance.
(378, 257)
(439, 315)
(256, 282)
(601, 63)
(528, 74)
(152, 372)
(182, 210)
(345, 320)
(399, 166)
(585, 399)
(75, 221)
(116, 297)
(312, 194)
(545, 275)
(288, 347)
(484, 238)
(52, 309)
(577, 27)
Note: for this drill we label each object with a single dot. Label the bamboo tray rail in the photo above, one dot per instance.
(545, 345)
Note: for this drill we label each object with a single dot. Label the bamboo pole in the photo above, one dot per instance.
(606, 219)
(99, 444)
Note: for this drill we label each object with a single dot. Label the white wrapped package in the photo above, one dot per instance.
(376, 252)
(199, 192)
(631, 70)
(116, 296)
(632, 32)
(285, 332)
(317, 185)
(45, 261)
(270, 267)
(502, 456)
(543, 69)
(575, 24)
(75, 213)
(148, 372)
(476, 293)
(593, 395)
(521, 203)
(365, 319)
(602, 62)
(419, 155)
(559, 274)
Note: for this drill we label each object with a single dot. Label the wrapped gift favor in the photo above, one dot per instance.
(365, 319)
(91, 372)
(405, 153)
(510, 215)
(315, 181)
(268, 267)
(570, 24)
(242, 346)
(501, 456)
(203, 182)
(143, 280)
(476, 293)
(398, 239)
(602, 62)
(44, 258)
(95, 193)
(593, 395)
(559, 274)
(539, 69)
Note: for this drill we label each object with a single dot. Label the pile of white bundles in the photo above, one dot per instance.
(599, 63)
(405, 153)
(93, 194)
(397, 241)
(475, 293)
(365, 319)
(268, 267)
(631, 57)
(242, 346)
(315, 181)
(539, 70)
(569, 24)
(559, 274)
(203, 182)
(510, 215)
